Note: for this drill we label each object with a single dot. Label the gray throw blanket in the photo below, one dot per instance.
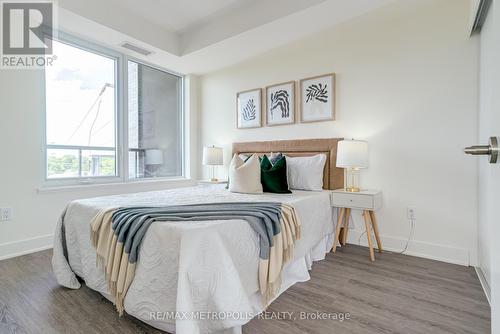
(117, 235)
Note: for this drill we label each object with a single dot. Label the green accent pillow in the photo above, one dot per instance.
(273, 176)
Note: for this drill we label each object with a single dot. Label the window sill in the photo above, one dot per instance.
(126, 186)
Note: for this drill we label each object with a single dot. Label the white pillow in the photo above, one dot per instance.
(243, 156)
(244, 177)
(305, 173)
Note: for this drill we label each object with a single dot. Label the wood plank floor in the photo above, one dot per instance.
(396, 294)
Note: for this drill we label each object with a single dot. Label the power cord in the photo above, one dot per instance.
(410, 237)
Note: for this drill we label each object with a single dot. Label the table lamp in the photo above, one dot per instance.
(212, 156)
(352, 155)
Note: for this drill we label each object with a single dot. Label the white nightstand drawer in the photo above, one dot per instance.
(361, 200)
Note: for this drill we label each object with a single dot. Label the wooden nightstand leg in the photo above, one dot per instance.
(337, 230)
(375, 230)
(346, 225)
(368, 224)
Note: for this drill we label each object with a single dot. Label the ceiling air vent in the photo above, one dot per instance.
(136, 48)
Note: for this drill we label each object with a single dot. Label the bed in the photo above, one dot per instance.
(201, 277)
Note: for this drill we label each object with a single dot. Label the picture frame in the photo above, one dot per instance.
(317, 98)
(249, 109)
(280, 104)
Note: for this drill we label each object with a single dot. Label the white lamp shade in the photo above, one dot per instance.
(212, 156)
(154, 157)
(352, 154)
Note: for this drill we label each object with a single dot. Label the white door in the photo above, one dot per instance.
(489, 174)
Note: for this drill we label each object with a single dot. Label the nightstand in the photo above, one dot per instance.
(367, 200)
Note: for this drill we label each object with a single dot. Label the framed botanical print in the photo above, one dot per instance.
(317, 98)
(249, 109)
(280, 104)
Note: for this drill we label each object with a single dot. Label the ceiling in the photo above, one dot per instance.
(178, 15)
(198, 36)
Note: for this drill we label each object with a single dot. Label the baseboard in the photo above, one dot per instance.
(417, 248)
(484, 283)
(26, 246)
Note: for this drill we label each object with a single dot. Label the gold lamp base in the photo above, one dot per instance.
(352, 177)
(353, 189)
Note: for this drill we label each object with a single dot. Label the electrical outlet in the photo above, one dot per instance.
(411, 213)
(5, 214)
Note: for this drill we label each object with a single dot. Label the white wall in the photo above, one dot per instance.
(22, 171)
(406, 82)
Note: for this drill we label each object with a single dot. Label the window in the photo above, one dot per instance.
(89, 129)
(154, 122)
(81, 114)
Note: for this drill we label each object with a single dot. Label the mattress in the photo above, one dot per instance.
(193, 277)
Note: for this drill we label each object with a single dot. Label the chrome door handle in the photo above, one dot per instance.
(492, 150)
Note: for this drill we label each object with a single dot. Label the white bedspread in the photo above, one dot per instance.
(191, 267)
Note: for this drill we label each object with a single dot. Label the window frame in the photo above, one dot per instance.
(121, 119)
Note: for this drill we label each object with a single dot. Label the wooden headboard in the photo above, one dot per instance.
(333, 177)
